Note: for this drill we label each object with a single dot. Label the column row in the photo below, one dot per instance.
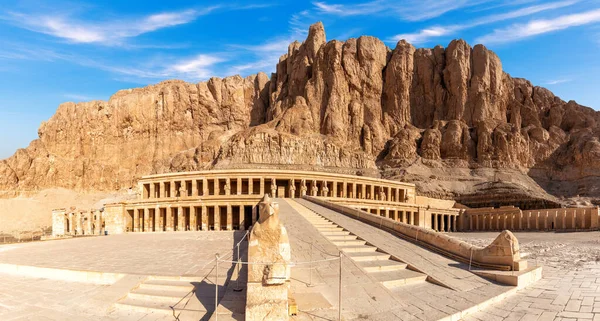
(191, 218)
(274, 186)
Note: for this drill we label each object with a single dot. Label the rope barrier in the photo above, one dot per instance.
(282, 263)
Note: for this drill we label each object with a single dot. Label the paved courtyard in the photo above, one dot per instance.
(570, 287)
(175, 253)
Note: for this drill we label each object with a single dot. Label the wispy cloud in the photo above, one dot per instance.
(359, 9)
(427, 34)
(410, 10)
(112, 32)
(266, 56)
(518, 32)
(557, 81)
(78, 97)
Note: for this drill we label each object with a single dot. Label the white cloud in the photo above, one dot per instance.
(517, 32)
(103, 32)
(78, 97)
(427, 34)
(350, 10)
(198, 67)
(557, 81)
(410, 10)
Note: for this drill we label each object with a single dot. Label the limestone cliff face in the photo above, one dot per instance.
(354, 106)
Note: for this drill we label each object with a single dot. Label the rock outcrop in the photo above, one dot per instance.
(355, 107)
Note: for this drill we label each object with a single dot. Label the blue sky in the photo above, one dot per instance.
(58, 51)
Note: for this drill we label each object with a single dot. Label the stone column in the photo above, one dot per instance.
(162, 189)
(180, 219)
(435, 222)
(204, 218)
(146, 219)
(239, 186)
(262, 186)
(169, 218)
(136, 220)
(229, 218)
(363, 191)
(345, 191)
(173, 189)
(152, 191)
(387, 212)
(454, 220)
(194, 188)
(372, 191)
(397, 195)
(389, 194)
(204, 187)
(193, 222)
(353, 191)
(242, 219)
(250, 186)
(442, 223)
(217, 218)
(216, 186)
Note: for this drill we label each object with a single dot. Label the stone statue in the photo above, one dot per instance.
(325, 190)
(303, 187)
(227, 188)
(382, 196)
(273, 187)
(182, 191)
(269, 257)
(314, 189)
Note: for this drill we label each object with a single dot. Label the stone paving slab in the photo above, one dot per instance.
(166, 253)
(559, 295)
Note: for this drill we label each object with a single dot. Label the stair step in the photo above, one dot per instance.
(357, 248)
(144, 306)
(335, 238)
(335, 233)
(367, 256)
(382, 266)
(330, 229)
(393, 279)
(348, 242)
(169, 296)
(160, 284)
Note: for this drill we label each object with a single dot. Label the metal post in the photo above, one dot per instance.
(217, 287)
(340, 291)
(237, 281)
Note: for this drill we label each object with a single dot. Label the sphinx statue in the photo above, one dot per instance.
(269, 257)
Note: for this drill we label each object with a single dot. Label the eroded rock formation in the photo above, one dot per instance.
(354, 106)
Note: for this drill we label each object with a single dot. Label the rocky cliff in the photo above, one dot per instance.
(448, 119)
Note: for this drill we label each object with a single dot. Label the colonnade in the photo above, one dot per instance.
(78, 222)
(277, 187)
(532, 220)
(191, 217)
(444, 222)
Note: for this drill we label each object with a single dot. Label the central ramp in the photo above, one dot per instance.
(448, 290)
(390, 272)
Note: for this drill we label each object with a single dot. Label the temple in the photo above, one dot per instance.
(227, 200)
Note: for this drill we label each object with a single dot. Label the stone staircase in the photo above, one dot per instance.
(390, 272)
(170, 296)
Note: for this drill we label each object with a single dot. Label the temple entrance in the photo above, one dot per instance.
(211, 218)
(223, 217)
(247, 217)
(235, 212)
(186, 218)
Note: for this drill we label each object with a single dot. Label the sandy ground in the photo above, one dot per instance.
(34, 213)
(569, 251)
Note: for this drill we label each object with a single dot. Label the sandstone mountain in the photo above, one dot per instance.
(449, 119)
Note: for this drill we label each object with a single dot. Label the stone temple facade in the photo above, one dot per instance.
(227, 200)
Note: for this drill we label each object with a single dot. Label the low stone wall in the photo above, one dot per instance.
(502, 254)
(515, 219)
